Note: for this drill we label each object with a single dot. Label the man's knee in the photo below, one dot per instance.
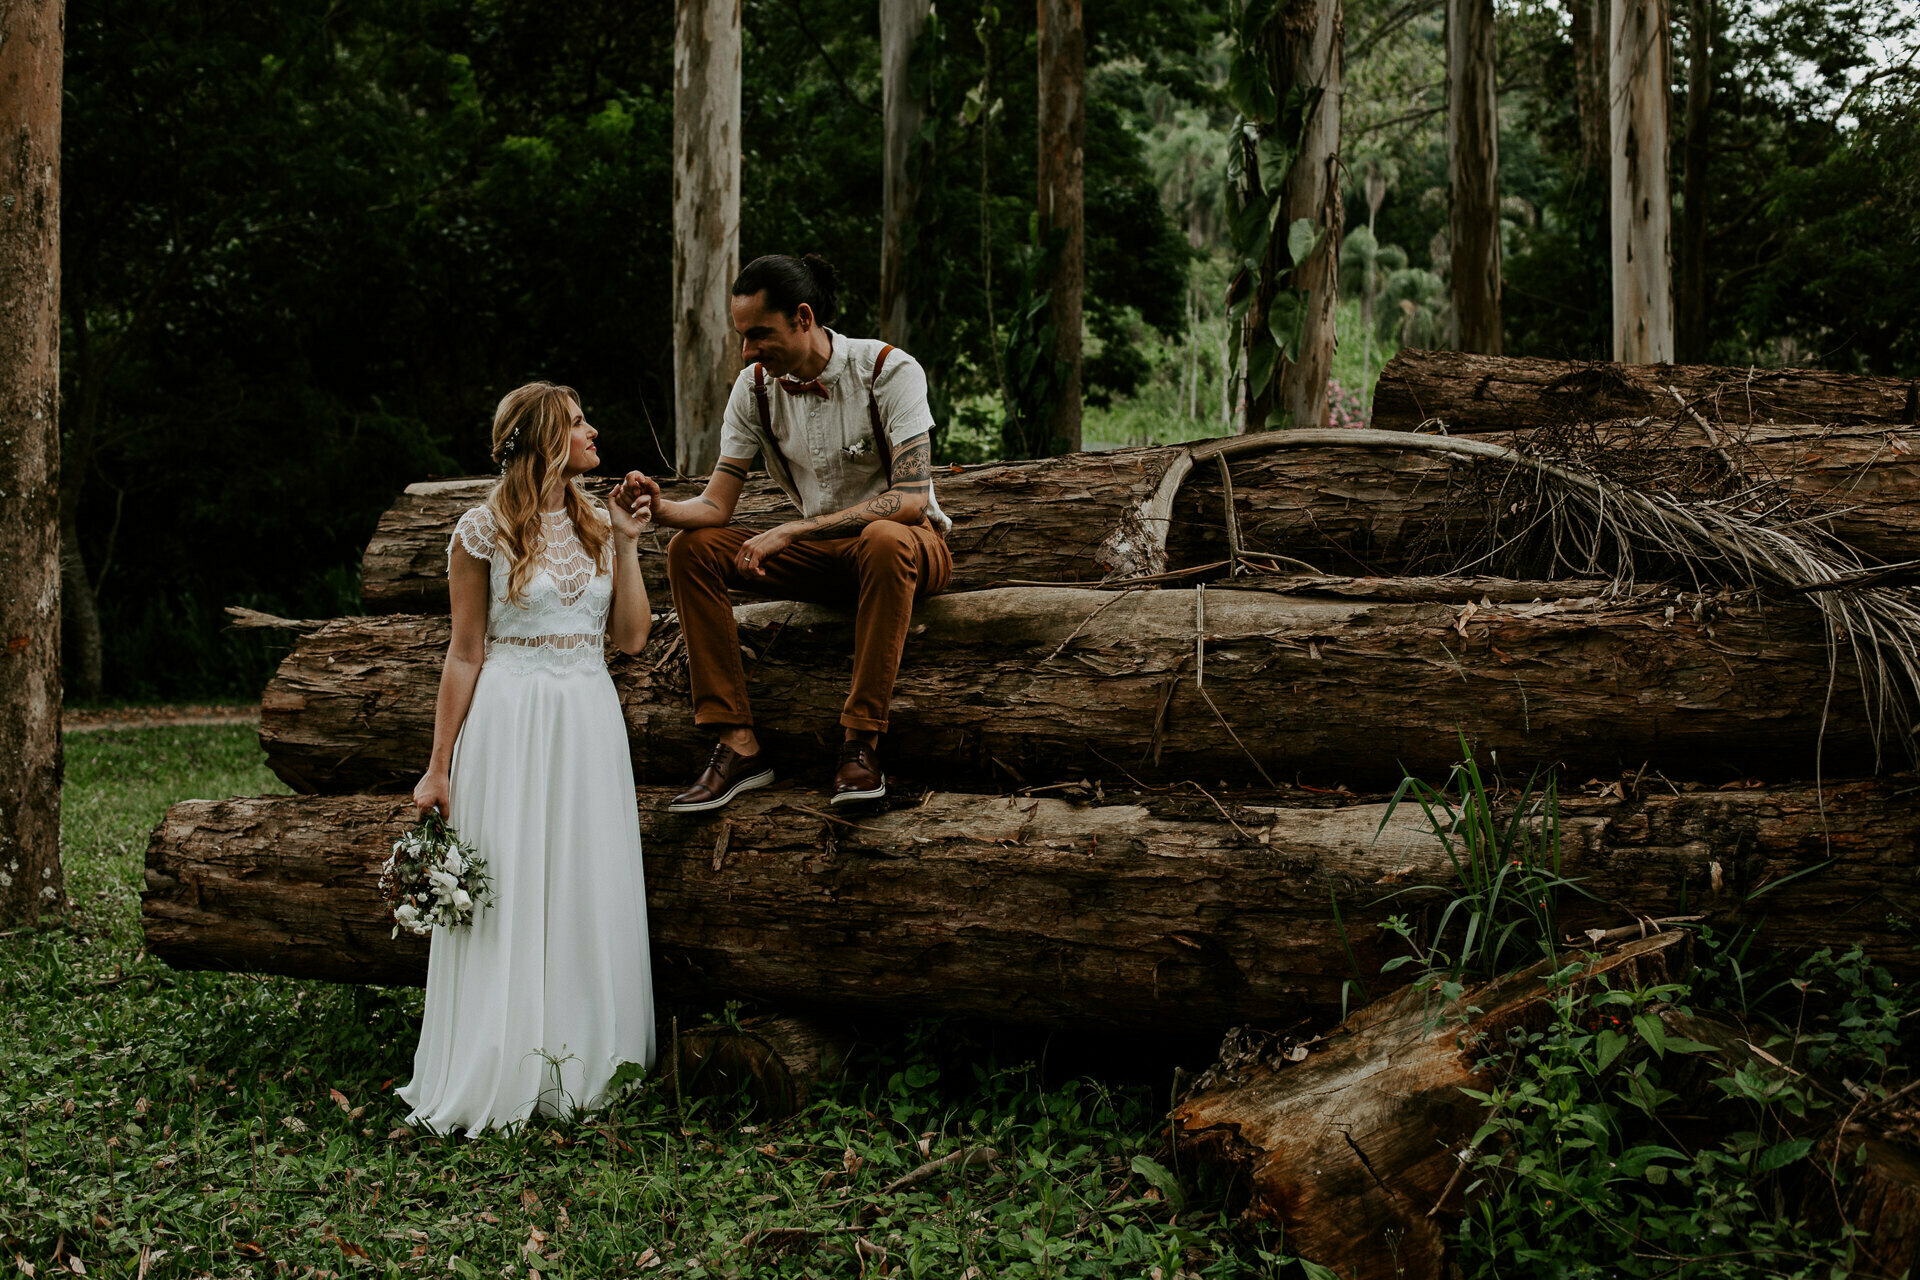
(888, 541)
(693, 548)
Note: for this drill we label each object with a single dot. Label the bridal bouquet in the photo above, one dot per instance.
(433, 877)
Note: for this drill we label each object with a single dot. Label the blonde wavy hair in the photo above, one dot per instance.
(530, 429)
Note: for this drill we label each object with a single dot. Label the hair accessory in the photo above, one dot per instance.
(508, 445)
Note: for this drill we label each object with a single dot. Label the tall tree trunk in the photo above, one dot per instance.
(706, 223)
(1590, 25)
(80, 604)
(1473, 176)
(1304, 51)
(1642, 215)
(901, 24)
(32, 44)
(1063, 131)
(1694, 193)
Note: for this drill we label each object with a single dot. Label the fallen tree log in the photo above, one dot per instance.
(1045, 684)
(1355, 1149)
(1157, 911)
(1085, 517)
(1475, 393)
(1045, 520)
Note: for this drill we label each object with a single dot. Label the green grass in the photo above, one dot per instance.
(243, 1126)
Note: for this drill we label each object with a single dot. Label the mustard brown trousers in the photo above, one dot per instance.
(879, 574)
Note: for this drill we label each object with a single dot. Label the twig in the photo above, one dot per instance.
(1084, 624)
(1236, 737)
(825, 817)
(963, 1158)
(1222, 808)
(1233, 517)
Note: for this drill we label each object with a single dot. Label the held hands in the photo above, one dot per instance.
(630, 517)
(638, 493)
(434, 791)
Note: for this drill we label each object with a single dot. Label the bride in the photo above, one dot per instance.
(534, 1007)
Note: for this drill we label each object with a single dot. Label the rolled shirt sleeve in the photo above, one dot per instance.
(902, 396)
(739, 427)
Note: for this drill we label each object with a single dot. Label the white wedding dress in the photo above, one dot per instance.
(535, 1006)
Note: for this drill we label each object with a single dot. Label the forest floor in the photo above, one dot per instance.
(161, 1123)
(92, 719)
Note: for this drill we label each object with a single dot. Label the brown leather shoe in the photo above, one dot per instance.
(727, 774)
(858, 777)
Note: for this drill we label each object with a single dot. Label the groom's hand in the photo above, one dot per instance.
(761, 548)
(637, 486)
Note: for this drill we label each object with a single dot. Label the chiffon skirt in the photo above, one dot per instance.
(535, 1006)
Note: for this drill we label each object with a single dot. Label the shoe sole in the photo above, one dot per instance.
(748, 783)
(855, 797)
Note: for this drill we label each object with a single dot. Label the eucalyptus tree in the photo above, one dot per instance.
(1062, 204)
(1473, 177)
(706, 224)
(903, 104)
(1640, 58)
(32, 40)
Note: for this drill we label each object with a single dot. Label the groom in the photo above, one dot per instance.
(842, 425)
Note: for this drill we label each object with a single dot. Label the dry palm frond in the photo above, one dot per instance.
(1592, 523)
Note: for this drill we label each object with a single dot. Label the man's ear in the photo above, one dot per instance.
(803, 317)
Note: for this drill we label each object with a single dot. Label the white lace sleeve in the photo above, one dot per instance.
(474, 535)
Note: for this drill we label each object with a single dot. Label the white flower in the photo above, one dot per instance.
(406, 913)
(453, 863)
(442, 881)
(462, 900)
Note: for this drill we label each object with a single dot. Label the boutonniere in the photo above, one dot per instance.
(858, 449)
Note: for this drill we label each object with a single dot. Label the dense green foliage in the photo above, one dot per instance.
(307, 245)
(230, 1124)
(1697, 1127)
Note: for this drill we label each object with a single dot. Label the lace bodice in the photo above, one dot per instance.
(560, 623)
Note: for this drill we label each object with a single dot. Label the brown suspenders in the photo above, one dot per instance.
(881, 445)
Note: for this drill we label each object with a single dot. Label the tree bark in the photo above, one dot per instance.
(1084, 516)
(81, 606)
(1692, 343)
(1473, 171)
(1138, 911)
(706, 224)
(1048, 684)
(1304, 54)
(775, 1060)
(1485, 393)
(1589, 28)
(1063, 131)
(1640, 62)
(901, 25)
(32, 44)
(1350, 1148)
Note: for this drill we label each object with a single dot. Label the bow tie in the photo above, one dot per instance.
(804, 388)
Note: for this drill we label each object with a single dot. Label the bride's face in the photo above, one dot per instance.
(582, 456)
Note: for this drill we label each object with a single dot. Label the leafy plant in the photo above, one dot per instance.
(1502, 912)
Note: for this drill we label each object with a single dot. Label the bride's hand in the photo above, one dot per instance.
(630, 523)
(433, 791)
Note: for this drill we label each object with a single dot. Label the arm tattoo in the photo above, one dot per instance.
(848, 523)
(728, 468)
(912, 463)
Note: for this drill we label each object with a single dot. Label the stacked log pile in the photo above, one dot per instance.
(1162, 704)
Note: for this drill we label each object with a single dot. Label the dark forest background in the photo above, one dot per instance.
(307, 245)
